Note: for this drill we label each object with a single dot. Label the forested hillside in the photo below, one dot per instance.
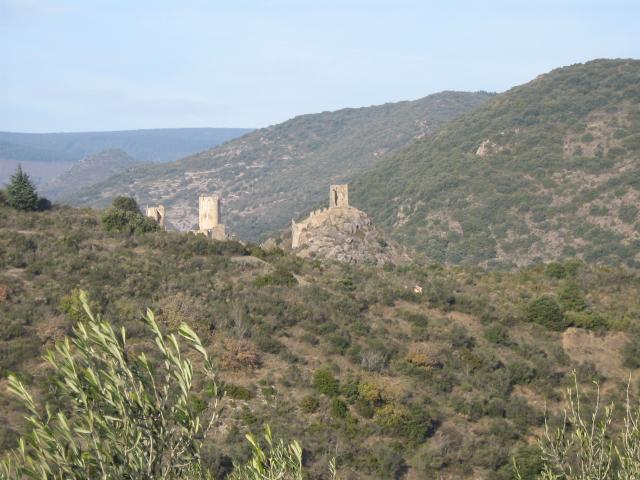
(547, 170)
(449, 383)
(277, 173)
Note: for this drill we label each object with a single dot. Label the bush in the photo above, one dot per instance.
(545, 311)
(324, 382)
(126, 204)
(238, 392)
(310, 404)
(571, 297)
(460, 337)
(555, 270)
(497, 333)
(279, 277)
(339, 409)
(43, 204)
(124, 216)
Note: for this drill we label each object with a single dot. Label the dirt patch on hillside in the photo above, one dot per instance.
(601, 349)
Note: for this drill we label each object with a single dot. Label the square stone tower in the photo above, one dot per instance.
(208, 212)
(157, 213)
(339, 196)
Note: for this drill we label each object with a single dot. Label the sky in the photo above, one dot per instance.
(84, 65)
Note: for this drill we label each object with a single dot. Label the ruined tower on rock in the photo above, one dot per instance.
(339, 196)
(209, 217)
(157, 213)
(343, 233)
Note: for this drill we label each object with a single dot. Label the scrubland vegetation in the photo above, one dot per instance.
(557, 175)
(455, 382)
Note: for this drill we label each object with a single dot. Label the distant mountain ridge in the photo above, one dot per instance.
(152, 145)
(547, 170)
(88, 171)
(277, 173)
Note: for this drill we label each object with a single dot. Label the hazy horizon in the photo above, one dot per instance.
(112, 66)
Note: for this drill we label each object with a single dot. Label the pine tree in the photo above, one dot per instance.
(21, 192)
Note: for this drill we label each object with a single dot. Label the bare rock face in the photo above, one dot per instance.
(347, 235)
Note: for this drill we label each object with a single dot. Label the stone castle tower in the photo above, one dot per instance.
(208, 212)
(338, 204)
(339, 196)
(157, 213)
(209, 217)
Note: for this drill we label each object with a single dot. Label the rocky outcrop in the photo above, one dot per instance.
(347, 235)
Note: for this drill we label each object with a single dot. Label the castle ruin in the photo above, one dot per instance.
(339, 196)
(209, 217)
(157, 213)
(338, 200)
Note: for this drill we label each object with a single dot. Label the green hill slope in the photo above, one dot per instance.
(546, 170)
(276, 173)
(445, 384)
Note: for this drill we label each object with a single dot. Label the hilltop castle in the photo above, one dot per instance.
(338, 199)
(208, 217)
(343, 233)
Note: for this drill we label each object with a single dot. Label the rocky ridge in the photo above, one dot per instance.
(347, 235)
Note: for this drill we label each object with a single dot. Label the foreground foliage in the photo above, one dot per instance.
(127, 416)
(587, 446)
(120, 415)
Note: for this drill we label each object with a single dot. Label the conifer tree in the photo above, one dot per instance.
(21, 192)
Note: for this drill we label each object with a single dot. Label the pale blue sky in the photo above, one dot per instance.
(74, 65)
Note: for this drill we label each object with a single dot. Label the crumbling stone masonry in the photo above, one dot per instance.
(339, 196)
(157, 213)
(209, 217)
(338, 199)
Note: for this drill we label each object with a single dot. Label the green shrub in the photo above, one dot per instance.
(571, 297)
(238, 392)
(497, 333)
(279, 277)
(124, 216)
(460, 337)
(324, 382)
(338, 409)
(545, 311)
(126, 204)
(310, 404)
(586, 319)
(555, 270)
